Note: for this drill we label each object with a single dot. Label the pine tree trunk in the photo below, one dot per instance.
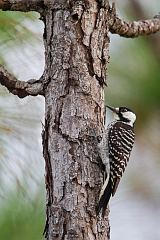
(76, 51)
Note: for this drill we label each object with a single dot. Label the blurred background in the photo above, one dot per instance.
(133, 81)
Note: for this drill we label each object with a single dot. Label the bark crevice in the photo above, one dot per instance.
(48, 176)
(76, 56)
(72, 96)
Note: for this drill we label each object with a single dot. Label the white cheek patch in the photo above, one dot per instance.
(115, 116)
(130, 116)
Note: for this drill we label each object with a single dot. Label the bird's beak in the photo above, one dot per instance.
(113, 109)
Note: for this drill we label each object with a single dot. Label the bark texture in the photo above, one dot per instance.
(135, 28)
(76, 43)
(22, 5)
(76, 51)
(22, 89)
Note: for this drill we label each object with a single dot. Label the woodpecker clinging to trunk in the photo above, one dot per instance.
(115, 148)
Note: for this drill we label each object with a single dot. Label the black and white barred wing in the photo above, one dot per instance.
(121, 140)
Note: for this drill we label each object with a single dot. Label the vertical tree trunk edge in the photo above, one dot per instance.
(76, 57)
(76, 53)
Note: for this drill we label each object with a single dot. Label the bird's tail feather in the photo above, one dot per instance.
(104, 199)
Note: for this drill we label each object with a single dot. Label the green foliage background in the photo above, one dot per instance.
(22, 213)
(21, 219)
(133, 78)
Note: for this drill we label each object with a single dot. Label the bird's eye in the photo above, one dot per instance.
(124, 110)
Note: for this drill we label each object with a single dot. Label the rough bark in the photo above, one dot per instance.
(76, 45)
(22, 89)
(135, 28)
(76, 52)
(22, 5)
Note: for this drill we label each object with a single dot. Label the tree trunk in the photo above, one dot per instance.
(76, 51)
